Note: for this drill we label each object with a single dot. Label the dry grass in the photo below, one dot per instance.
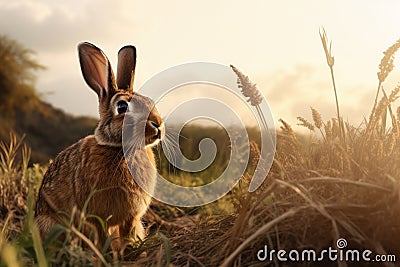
(314, 195)
(343, 183)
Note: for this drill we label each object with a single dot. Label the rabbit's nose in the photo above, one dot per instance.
(157, 129)
(154, 124)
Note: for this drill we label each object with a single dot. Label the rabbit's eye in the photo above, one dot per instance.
(122, 107)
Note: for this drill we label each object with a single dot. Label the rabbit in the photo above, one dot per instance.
(94, 169)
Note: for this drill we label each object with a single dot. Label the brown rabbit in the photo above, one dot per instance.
(97, 164)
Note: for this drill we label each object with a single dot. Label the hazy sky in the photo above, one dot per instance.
(276, 43)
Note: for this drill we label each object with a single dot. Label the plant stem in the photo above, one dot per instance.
(376, 98)
(374, 107)
(341, 126)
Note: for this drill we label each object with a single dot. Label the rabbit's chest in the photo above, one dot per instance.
(123, 184)
(131, 183)
(130, 196)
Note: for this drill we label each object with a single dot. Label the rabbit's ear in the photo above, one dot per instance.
(96, 70)
(126, 67)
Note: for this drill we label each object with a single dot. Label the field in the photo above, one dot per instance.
(337, 182)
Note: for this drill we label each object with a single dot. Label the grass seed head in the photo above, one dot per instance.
(328, 52)
(249, 89)
(386, 65)
(305, 123)
(328, 130)
(317, 118)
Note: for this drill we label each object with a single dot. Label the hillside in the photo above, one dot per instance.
(48, 129)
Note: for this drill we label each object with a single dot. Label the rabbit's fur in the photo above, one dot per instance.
(96, 166)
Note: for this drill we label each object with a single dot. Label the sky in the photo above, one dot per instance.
(275, 43)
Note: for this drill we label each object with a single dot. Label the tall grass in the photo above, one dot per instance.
(330, 60)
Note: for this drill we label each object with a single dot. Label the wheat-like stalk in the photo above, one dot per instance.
(8, 152)
(385, 67)
(328, 52)
(254, 154)
(318, 121)
(398, 115)
(378, 118)
(335, 128)
(328, 129)
(317, 118)
(394, 95)
(288, 130)
(330, 60)
(379, 110)
(305, 123)
(249, 89)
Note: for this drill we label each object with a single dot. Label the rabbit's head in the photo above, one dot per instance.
(117, 100)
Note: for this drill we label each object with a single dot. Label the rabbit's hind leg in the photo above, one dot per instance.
(130, 230)
(132, 227)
